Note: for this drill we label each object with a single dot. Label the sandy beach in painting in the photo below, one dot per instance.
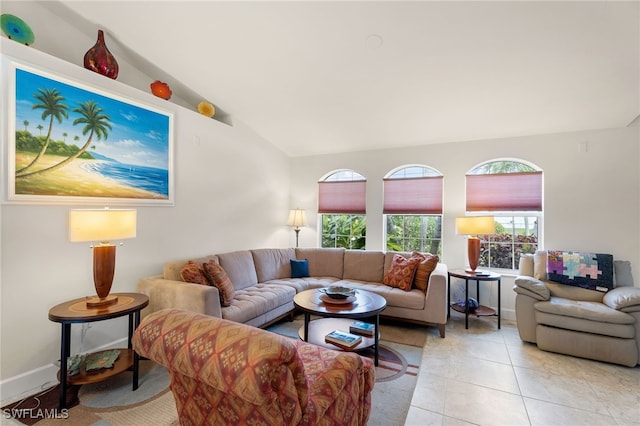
(73, 180)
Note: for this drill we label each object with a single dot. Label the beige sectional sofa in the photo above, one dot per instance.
(264, 290)
(577, 321)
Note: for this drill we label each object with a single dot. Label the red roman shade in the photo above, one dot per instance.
(348, 197)
(504, 192)
(413, 195)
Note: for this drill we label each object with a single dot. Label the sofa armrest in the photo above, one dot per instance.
(626, 299)
(436, 296)
(531, 287)
(164, 294)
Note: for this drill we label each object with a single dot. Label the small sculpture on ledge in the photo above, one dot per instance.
(206, 108)
(161, 90)
(100, 60)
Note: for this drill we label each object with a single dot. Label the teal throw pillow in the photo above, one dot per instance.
(299, 268)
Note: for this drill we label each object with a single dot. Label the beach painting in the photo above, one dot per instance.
(69, 143)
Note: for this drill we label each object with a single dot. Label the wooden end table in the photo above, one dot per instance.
(481, 310)
(76, 311)
(365, 304)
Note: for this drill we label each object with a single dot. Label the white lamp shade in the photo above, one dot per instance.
(297, 218)
(101, 225)
(475, 225)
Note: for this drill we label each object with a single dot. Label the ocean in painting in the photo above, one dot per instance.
(141, 177)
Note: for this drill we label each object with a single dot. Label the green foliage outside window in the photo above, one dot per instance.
(414, 232)
(344, 230)
(515, 235)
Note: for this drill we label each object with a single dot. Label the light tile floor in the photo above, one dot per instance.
(486, 376)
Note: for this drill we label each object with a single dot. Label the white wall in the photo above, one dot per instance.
(591, 199)
(231, 192)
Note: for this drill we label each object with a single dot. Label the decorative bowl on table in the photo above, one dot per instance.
(338, 292)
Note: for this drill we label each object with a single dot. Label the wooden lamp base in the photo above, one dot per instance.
(473, 252)
(104, 265)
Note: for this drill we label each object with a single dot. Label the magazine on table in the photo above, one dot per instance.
(363, 328)
(343, 339)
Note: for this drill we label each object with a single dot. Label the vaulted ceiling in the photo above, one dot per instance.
(329, 77)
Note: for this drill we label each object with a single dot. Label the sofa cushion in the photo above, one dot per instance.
(593, 271)
(323, 262)
(363, 265)
(193, 273)
(219, 278)
(413, 299)
(240, 268)
(401, 272)
(272, 264)
(299, 268)
(253, 301)
(427, 265)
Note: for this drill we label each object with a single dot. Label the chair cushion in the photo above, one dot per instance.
(588, 317)
(622, 297)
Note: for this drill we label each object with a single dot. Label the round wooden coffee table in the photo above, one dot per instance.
(364, 304)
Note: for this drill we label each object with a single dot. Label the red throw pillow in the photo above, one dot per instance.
(428, 263)
(221, 280)
(401, 272)
(192, 273)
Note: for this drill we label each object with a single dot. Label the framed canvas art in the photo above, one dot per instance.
(72, 143)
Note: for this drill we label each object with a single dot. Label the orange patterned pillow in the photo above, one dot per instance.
(221, 280)
(192, 273)
(401, 272)
(428, 263)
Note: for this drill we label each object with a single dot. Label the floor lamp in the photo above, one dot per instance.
(297, 218)
(474, 226)
(102, 226)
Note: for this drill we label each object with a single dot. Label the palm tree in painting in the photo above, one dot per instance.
(52, 106)
(26, 124)
(95, 122)
(40, 127)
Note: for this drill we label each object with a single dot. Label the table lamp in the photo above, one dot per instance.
(474, 226)
(297, 218)
(102, 226)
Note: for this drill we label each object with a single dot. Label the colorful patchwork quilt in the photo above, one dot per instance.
(593, 271)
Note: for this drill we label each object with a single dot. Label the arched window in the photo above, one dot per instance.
(511, 191)
(413, 209)
(342, 197)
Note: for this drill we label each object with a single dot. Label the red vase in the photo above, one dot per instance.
(100, 60)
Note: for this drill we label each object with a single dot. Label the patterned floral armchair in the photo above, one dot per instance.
(229, 373)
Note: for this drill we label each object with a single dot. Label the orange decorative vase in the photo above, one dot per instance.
(100, 60)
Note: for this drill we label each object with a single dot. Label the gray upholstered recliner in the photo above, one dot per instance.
(577, 321)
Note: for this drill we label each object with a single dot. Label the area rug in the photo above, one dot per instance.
(112, 403)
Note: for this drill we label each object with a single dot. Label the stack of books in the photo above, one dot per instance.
(343, 339)
(362, 328)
